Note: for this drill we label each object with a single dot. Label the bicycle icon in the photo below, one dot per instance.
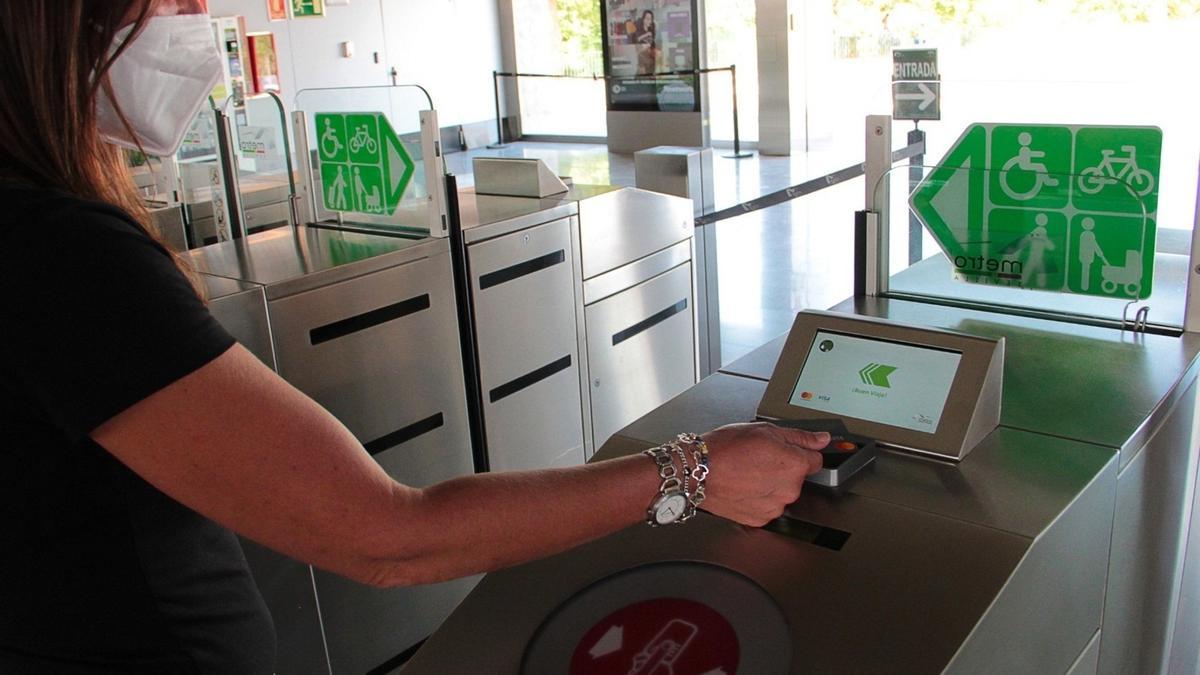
(363, 139)
(1114, 169)
(1024, 160)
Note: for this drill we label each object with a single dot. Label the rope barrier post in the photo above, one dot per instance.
(915, 174)
(499, 125)
(737, 135)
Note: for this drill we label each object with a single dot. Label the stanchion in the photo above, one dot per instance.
(737, 135)
(499, 120)
(915, 174)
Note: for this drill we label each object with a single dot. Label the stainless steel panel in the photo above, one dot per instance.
(858, 610)
(760, 363)
(286, 584)
(378, 380)
(289, 261)
(384, 377)
(1146, 561)
(708, 299)
(522, 325)
(630, 131)
(1051, 605)
(1185, 644)
(1088, 659)
(680, 171)
(287, 588)
(516, 177)
(488, 216)
(267, 216)
(168, 222)
(241, 309)
(611, 283)
(620, 227)
(683, 172)
(632, 376)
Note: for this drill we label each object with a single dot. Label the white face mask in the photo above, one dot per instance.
(161, 81)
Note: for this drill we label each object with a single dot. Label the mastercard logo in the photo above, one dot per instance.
(807, 396)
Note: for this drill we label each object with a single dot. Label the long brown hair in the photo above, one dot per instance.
(54, 61)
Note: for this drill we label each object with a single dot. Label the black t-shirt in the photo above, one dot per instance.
(100, 571)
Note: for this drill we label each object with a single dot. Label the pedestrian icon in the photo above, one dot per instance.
(1026, 159)
(365, 168)
(1057, 208)
(336, 198)
(1089, 250)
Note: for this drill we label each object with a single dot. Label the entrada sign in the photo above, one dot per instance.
(916, 85)
(1058, 208)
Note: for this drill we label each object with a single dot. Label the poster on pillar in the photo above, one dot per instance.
(645, 41)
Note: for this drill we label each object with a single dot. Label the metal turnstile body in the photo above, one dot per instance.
(367, 326)
(584, 316)
(1053, 547)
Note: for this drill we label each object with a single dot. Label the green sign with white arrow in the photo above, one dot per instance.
(1057, 208)
(364, 166)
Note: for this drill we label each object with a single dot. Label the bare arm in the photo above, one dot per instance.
(238, 444)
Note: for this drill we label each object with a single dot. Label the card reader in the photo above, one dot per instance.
(846, 454)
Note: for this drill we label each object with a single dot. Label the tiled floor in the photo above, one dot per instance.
(772, 263)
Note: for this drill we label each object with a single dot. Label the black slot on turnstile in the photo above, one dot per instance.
(649, 322)
(375, 317)
(404, 435)
(818, 535)
(529, 379)
(522, 269)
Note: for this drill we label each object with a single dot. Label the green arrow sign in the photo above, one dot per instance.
(364, 166)
(1057, 208)
(876, 374)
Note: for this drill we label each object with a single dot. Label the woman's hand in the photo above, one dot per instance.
(758, 469)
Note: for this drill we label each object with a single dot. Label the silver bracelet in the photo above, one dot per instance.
(700, 469)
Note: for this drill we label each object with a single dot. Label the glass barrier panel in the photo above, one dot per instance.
(366, 156)
(203, 184)
(264, 159)
(1009, 223)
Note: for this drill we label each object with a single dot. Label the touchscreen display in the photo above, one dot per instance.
(876, 380)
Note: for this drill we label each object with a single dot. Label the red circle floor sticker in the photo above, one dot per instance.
(665, 636)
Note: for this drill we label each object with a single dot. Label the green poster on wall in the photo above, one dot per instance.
(308, 8)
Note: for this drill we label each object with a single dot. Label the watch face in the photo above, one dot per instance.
(670, 508)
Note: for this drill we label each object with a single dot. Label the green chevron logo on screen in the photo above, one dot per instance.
(876, 374)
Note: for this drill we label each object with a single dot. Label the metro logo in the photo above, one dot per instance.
(876, 375)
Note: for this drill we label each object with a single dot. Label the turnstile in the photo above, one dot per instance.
(1053, 547)
(366, 325)
(584, 313)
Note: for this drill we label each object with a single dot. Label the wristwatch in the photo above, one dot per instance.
(671, 504)
(668, 508)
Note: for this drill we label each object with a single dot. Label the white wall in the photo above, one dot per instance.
(450, 47)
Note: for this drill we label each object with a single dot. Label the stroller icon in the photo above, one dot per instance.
(1129, 277)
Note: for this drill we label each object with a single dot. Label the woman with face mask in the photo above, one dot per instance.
(138, 436)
